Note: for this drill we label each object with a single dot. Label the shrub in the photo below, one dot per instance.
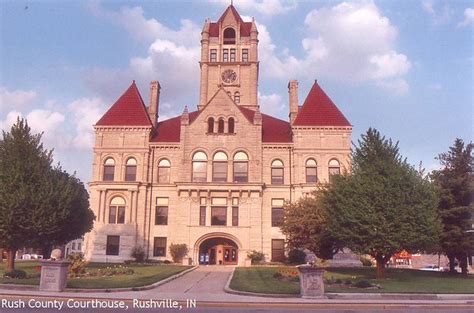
(138, 254)
(115, 270)
(178, 251)
(366, 261)
(348, 282)
(255, 256)
(362, 284)
(296, 256)
(277, 275)
(18, 274)
(338, 281)
(78, 265)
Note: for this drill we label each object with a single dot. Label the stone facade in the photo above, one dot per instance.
(208, 174)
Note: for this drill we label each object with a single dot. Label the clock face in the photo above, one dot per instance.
(229, 76)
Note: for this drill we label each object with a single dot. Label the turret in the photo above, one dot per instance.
(154, 102)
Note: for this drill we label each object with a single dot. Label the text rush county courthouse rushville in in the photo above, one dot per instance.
(216, 178)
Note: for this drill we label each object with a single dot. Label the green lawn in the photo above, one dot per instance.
(260, 279)
(145, 274)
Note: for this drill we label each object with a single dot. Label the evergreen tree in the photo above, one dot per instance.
(456, 188)
(384, 207)
(40, 205)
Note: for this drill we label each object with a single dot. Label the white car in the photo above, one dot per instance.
(434, 268)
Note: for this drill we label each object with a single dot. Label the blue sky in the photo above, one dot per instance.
(403, 67)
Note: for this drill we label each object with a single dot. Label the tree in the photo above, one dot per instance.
(40, 205)
(384, 207)
(455, 182)
(304, 226)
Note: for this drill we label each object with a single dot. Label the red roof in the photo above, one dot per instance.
(319, 110)
(273, 129)
(128, 110)
(244, 26)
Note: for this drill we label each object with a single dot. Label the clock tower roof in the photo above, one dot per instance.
(245, 27)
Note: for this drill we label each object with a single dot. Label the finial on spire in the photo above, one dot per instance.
(231, 2)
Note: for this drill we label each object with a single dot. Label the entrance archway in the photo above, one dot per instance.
(218, 249)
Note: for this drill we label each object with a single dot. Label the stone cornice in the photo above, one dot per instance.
(121, 128)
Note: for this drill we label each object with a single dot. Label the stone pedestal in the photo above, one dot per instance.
(53, 275)
(345, 258)
(311, 282)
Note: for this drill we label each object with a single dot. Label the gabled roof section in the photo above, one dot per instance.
(245, 27)
(128, 110)
(319, 110)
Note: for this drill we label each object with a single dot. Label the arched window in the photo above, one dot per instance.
(241, 167)
(199, 167)
(237, 97)
(164, 171)
(311, 171)
(117, 211)
(131, 170)
(277, 172)
(109, 169)
(210, 125)
(220, 126)
(231, 125)
(219, 167)
(334, 169)
(229, 36)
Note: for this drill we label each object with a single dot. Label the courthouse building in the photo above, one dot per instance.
(215, 178)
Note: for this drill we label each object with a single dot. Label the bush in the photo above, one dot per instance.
(366, 261)
(296, 256)
(18, 274)
(178, 251)
(255, 256)
(362, 284)
(348, 282)
(277, 275)
(78, 265)
(138, 254)
(115, 270)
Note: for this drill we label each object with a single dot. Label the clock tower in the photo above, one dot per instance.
(229, 59)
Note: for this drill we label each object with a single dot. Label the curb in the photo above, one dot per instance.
(227, 289)
(140, 288)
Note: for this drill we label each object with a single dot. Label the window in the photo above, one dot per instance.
(311, 171)
(219, 167)
(334, 169)
(277, 212)
(202, 212)
(232, 55)
(229, 36)
(237, 97)
(219, 215)
(225, 55)
(117, 211)
(220, 126)
(241, 167)
(235, 211)
(73, 246)
(213, 55)
(278, 250)
(109, 169)
(210, 125)
(164, 167)
(231, 125)
(79, 246)
(245, 55)
(277, 172)
(199, 167)
(113, 244)
(159, 246)
(131, 170)
(161, 211)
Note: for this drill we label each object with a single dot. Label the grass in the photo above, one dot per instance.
(260, 279)
(145, 274)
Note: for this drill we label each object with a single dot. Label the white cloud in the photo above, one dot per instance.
(9, 120)
(435, 87)
(438, 15)
(468, 17)
(271, 104)
(48, 122)
(398, 86)
(16, 99)
(86, 113)
(264, 7)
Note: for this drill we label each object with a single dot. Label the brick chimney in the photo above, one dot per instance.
(293, 98)
(154, 101)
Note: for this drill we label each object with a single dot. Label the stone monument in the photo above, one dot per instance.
(345, 258)
(311, 282)
(54, 272)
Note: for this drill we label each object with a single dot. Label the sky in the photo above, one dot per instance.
(403, 67)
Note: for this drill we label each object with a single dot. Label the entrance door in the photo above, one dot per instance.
(212, 256)
(230, 255)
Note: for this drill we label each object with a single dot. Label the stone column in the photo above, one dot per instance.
(311, 282)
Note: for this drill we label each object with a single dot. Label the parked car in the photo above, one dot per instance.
(434, 268)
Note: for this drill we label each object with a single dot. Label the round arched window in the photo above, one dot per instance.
(219, 167)
(117, 211)
(109, 169)
(199, 167)
(164, 167)
(311, 171)
(131, 170)
(241, 167)
(277, 172)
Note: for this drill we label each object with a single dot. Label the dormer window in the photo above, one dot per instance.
(229, 36)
